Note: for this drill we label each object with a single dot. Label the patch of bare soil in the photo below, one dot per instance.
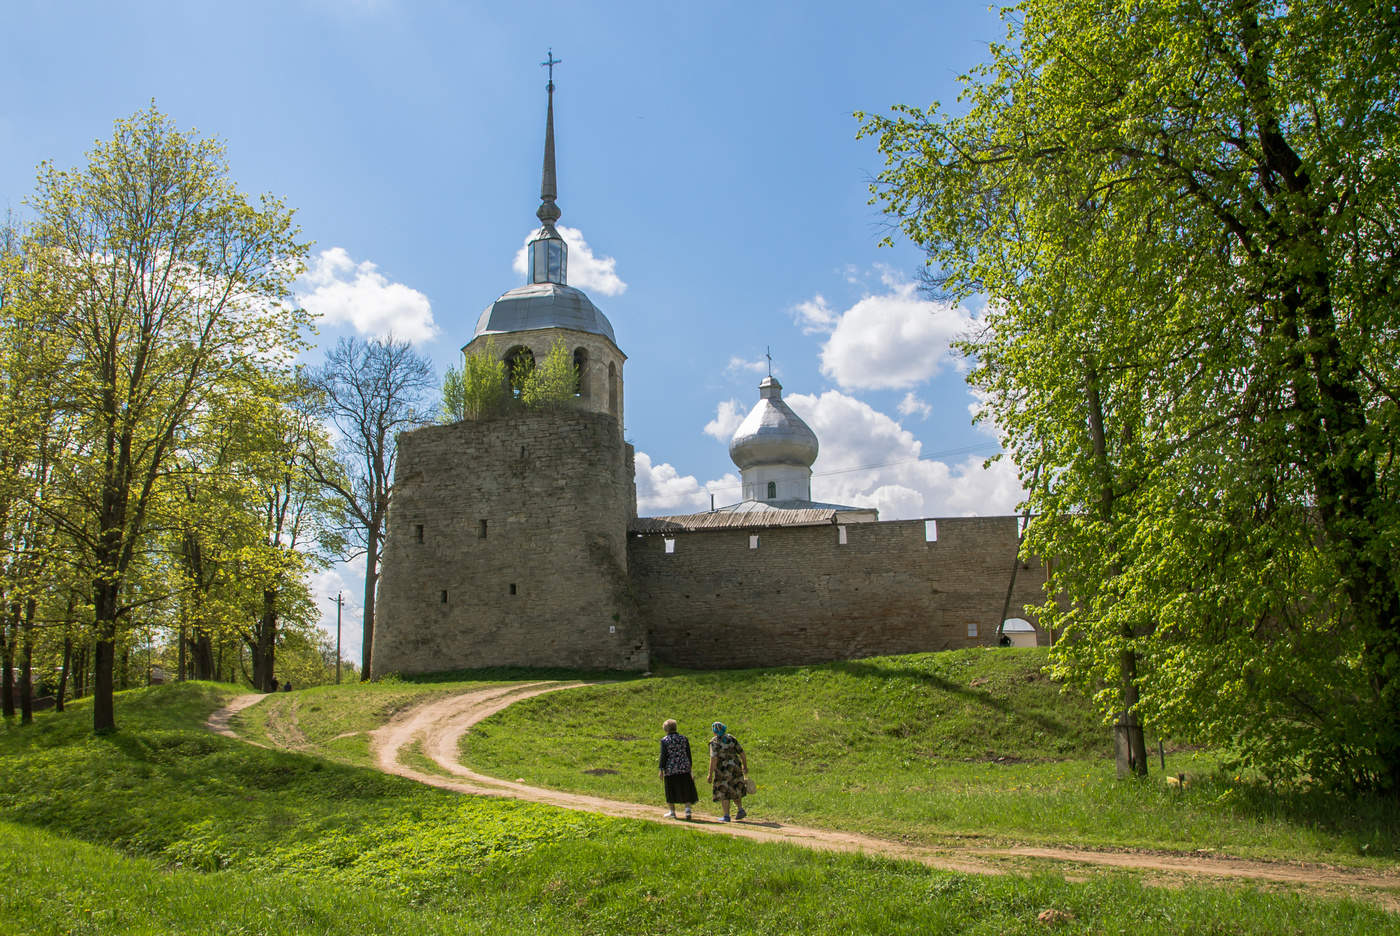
(220, 721)
(438, 726)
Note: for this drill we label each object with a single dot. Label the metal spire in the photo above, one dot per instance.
(549, 255)
(548, 211)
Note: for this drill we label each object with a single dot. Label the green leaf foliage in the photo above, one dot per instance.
(1184, 217)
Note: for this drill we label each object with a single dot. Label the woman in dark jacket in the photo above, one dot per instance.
(674, 769)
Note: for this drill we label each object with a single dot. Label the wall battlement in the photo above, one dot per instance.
(804, 596)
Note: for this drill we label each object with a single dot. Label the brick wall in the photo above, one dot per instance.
(802, 597)
(547, 584)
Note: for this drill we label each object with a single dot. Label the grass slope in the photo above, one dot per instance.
(931, 748)
(165, 828)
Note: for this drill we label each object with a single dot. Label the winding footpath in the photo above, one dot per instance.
(437, 728)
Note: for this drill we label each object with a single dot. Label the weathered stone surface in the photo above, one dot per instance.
(547, 584)
(802, 597)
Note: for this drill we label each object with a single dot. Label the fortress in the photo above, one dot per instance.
(515, 541)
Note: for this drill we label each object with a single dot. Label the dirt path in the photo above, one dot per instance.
(219, 721)
(437, 727)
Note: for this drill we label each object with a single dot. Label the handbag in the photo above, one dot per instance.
(750, 786)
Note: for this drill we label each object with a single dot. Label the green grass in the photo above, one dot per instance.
(933, 748)
(335, 721)
(166, 828)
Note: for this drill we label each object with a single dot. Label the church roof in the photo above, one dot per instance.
(724, 519)
(543, 305)
(752, 515)
(772, 434)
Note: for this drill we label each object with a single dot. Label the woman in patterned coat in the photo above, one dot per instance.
(728, 768)
(674, 768)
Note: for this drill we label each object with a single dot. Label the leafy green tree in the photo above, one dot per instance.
(550, 381)
(370, 391)
(160, 286)
(478, 389)
(1185, 219)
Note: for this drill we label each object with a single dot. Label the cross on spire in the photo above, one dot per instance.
(769, 355)
(549, 63)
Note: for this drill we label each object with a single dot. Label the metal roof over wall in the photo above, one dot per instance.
(730, 520)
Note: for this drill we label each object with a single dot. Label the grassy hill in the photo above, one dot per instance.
(165, 828)
(933, 748)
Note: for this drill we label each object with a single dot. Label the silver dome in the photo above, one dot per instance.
(772, 434)
(543, 305)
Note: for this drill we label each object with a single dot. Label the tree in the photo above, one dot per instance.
(370, 391)
(159, 285)
(481, 387)
(1185, 218)
(478, 389)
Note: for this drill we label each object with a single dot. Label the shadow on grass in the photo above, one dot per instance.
(940, 683)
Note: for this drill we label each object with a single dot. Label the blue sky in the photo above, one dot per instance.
(708, 171)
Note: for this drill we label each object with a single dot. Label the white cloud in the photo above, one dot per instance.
(815, 316)
(911, 405)
(869, 459)
(661, 490)
(738, 365)
(728, 415)
(343, 292)
(586, 271)
(889, 341)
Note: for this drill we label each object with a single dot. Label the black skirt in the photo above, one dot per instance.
(680, 788)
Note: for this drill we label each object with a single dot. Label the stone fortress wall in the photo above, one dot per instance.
(804, 596)
(506, 546)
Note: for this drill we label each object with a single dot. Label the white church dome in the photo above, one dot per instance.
(772, 434)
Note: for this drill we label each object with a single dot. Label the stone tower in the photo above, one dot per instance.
(525, 322)
(507, 538)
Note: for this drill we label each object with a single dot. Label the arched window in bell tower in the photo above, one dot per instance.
(519, 362)
(612, 388)
(581, 373)
(772, 490)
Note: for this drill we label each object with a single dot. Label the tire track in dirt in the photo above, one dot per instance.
(437, 726)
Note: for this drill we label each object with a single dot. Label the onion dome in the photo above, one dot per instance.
(772, 434)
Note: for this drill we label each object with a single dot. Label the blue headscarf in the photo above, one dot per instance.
(719, 729)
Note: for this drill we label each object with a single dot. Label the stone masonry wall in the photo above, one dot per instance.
(802, 597)
(507, 546)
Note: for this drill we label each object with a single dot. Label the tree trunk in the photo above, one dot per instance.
(202, 654)
(264, 651)
(26, 664)
(63, 673)
(371, 579)
(104, 720)
(1127, 661)
(80, 665)
(9, 632)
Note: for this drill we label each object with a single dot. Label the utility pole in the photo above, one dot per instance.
(337, 637)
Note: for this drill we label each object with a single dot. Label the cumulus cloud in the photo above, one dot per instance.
(815, 316)
(912, 405)
(728, 415)
(738, 365)
(890, 341)
(343, 292)
(662, 490)
(586, 271)
(867, 459)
